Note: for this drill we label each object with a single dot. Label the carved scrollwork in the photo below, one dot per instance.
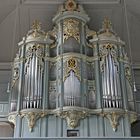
(73, 117)
(15, 70)
(113, 118)
(107, 28)
(36, 30)
(71, 29)
(12, 119)
(107, 24)
(70, 5)
(71, 64)
(32, 117)
(36, 50)
(128, 74)
(106, 50)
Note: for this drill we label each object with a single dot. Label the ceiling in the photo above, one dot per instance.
(16, 17)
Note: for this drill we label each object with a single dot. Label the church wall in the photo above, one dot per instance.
(6, 130)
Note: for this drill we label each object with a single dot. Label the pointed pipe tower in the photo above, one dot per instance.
(71, 78)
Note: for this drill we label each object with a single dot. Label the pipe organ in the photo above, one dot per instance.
(71, 77)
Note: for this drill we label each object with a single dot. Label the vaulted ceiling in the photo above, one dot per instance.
(16, 17)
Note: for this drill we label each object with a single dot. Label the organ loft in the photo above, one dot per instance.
(71, 81)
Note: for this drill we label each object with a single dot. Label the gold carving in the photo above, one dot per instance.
(32, 117)
(12, 119)
(113, 117)
(36, 30)
(71, 29)
(71, 64)
(73, 117)
(36, 25)
(70, 5)
(107, 24)
(107, 28)
(106, 50)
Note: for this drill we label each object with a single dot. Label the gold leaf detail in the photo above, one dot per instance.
(71, 29)
(70, 5)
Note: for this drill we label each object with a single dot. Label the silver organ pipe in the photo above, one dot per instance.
(110, 80)
(41, 78)
(33, 79)
(36, 79)
(39, 82)
(72, 90)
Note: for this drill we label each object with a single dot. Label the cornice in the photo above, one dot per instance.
(79, 1)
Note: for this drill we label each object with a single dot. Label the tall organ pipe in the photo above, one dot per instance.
(110, 80)
(33, 77)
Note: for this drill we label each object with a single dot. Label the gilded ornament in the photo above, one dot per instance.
(113, 117)
(12, 119)
(37, 51)
(103, 53)
(36, 25)
(36, 30)
(70, 5)
(73, 117)
(71, 64)
(107, 24)
(71, 29)
(106, 28)
(32, 117)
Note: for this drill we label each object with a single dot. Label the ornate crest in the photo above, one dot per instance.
(71, 64)
(71, 29)
(70, 5)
